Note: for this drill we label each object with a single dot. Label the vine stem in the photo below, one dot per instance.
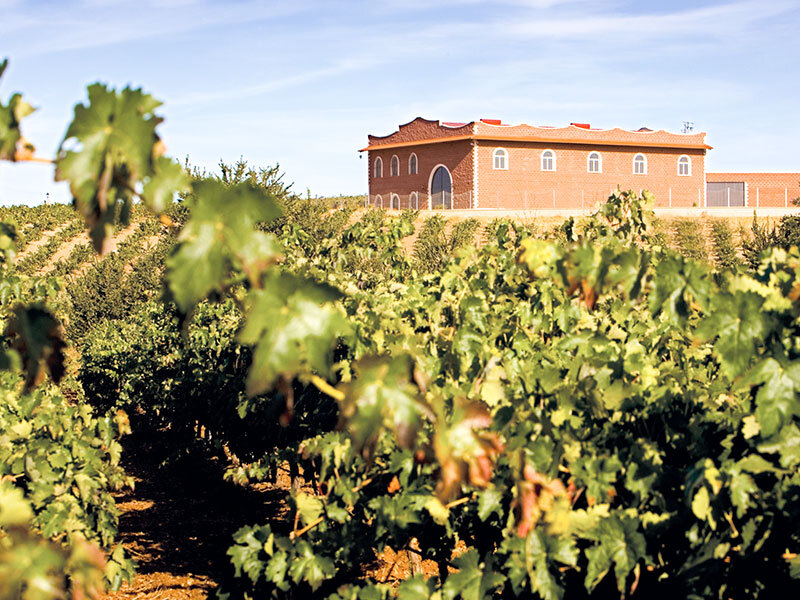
(37, 159)
(326, 388)
(463, 500)
(298, 533)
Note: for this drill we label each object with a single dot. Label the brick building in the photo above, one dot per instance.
(488, 164)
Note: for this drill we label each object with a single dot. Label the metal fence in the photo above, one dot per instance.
(517, 200)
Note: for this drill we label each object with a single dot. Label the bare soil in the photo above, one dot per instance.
(35, 245)
(178, 524)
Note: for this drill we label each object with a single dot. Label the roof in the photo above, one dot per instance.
(424, 131)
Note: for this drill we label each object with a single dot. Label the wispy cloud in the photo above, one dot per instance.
(109, 22)
(274, 85)
(721, 19)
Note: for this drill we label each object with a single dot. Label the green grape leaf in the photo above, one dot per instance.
(414, 588)
(11, 114)
(168, 178)
(307, 566)
(472, 581)
(742, 487)
(490, 501)
(108, 151)
(678, 283)
(776, 400)
(221, 234)
(294, 326)
(541, 548)
(37, 337)
(739, 326)
(382, 395)
(620, 547)
(309, 507)
(14, 508)
(701, 503)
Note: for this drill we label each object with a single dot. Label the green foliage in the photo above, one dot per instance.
(11, 115)
(433, 246)
(725, 256)
(221, 234)
(689, 240)
(270, 179)
(110, 147)
(125, 279)
(591, 416)
(764, 237)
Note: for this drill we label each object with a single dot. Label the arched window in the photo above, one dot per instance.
(394, 166)
(412, 164)
(378, 167)
(394, 202)
(500, 159)
(684, 165)
(640, 164)
(379, 201)
(595, 163)
(413, 200)
(548, 160)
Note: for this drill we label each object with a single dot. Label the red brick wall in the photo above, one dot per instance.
(764, 189)
(456, 156)
(525, 186)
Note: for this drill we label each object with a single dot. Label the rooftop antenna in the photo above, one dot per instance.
(688, 126)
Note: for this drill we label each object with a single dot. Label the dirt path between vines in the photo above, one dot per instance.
(45, 237)
(178, 526)
(65, 249)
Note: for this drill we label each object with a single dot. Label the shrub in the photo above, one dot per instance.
(689, 240)
(725, 256)
(763, 237)
(433, 247)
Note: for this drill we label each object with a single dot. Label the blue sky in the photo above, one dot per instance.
(302, 83)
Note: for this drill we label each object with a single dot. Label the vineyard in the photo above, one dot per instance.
(386, 406)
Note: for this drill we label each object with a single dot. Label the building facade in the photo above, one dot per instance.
(488, 164)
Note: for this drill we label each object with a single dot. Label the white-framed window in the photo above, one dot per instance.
(379, 201)
(594, 163)
(684, 165)
(412, 164)
(640, 164)
(394, 201)
(548, 160)
(413, 201)
(394, 166)
(378, 167)
(500, 159)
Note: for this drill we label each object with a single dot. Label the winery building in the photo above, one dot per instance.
(489, 164)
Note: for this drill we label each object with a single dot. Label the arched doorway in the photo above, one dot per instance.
(441, 188)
